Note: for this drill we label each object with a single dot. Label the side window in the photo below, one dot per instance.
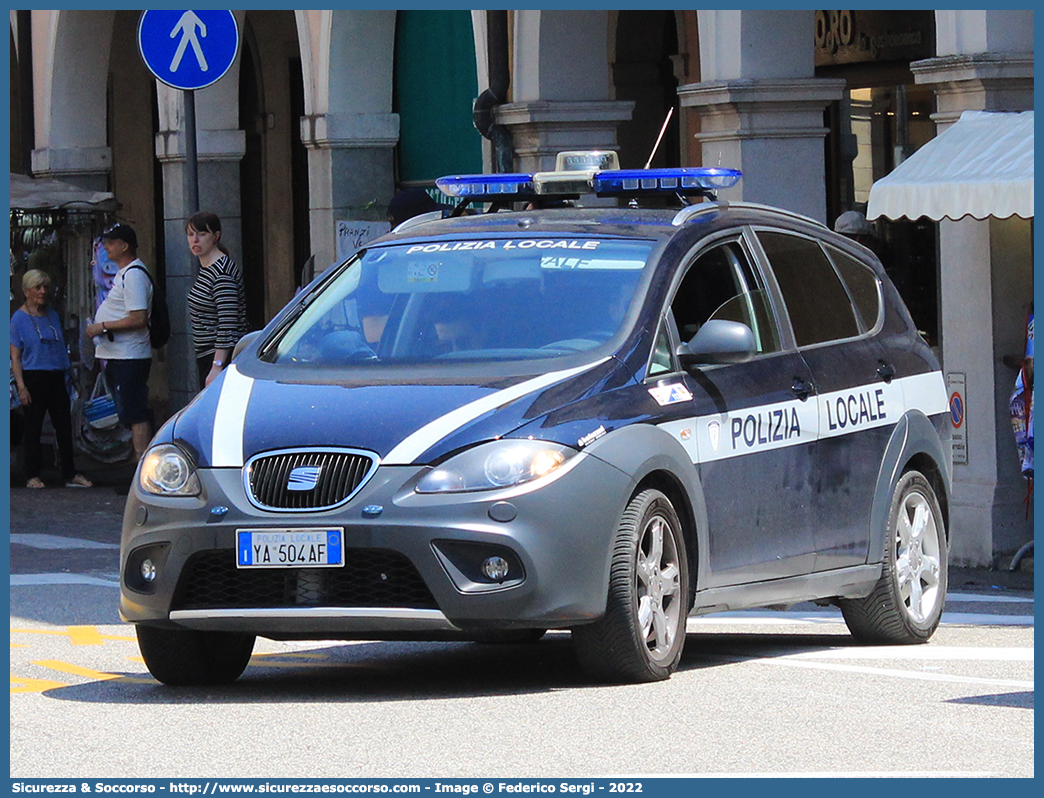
(816, 301)
(720, 284)
(661, 362)
(863, 286)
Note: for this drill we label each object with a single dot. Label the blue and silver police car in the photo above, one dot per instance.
(601, 419)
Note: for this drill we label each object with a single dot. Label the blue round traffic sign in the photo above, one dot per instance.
(956, 410)
(188, 50)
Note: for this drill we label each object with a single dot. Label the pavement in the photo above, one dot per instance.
(96, 513)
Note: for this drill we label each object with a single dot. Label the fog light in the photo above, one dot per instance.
(148, 570)
(496, 568)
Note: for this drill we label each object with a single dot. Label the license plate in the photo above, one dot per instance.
(289, 548)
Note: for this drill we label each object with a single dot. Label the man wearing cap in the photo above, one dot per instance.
(854, 225)
(121, 334)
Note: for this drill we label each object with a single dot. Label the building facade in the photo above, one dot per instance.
(326, 114)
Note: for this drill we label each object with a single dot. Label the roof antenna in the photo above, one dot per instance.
(659, 138)
(633, 203)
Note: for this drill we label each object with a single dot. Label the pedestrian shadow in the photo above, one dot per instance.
(374, 672)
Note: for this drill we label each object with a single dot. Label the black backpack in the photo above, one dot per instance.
(159, 318)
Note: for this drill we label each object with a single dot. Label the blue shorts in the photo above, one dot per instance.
(128, 382)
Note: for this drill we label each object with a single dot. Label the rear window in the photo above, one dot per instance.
(817, 302)
(863, 286)
(500, 299)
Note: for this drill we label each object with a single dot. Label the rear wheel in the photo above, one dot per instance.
(641, 635)
(907, 601)
(184, 657)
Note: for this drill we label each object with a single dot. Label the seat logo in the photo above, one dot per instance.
(304, 478)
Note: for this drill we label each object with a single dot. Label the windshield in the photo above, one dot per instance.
(465, 300)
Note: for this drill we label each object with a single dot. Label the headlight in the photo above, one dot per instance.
(167, 471)
(501, 464)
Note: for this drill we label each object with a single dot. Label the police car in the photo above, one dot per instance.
(579, 414)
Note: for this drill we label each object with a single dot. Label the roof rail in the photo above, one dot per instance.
(685, 214)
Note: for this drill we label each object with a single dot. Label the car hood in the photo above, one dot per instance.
(404, 423)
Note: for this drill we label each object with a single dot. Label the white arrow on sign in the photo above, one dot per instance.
(187, 26)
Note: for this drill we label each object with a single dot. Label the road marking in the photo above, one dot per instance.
(786, 618)
(987, 598)
(985, 619)
(89, 673)
(78, 635)
(37, 580)
(865, 671)
(58, 542)
(926, 652)
(20, 684)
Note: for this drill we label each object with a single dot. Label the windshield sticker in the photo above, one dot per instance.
(526, 243)
(545, 243)
(670, 394)
(456, 246)
(422, 272)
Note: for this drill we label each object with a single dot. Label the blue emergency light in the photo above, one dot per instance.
(571, 182)
(684, 179)
(479, 186)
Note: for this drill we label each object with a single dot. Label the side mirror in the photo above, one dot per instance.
(244, 342)
(718, 341)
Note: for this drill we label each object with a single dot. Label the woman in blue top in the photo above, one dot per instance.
(40, 361)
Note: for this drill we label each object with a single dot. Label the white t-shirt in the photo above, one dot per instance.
(131, 290)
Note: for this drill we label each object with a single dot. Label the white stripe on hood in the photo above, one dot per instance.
(414, 445)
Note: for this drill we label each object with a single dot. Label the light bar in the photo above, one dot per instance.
(498, 185)
(631, 181)
(579, 173)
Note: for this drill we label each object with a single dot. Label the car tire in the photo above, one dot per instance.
(641, 636)
(906, 603)
(185, 657)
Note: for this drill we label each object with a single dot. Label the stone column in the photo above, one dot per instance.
(540, 129)
(770, 129)
(86, 167)
(986, 281)
(351, 173)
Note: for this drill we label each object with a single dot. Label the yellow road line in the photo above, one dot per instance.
(78, 635)
(26, 685)
(89, 673)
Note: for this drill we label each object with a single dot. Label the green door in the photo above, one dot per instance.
(435, 85)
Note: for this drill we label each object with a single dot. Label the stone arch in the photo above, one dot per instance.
(70, 112)
(645, 47)
(561, 55)
(561, 98)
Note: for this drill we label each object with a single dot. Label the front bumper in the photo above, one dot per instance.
(410, 568)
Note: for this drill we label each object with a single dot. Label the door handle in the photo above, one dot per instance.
(801, 388)
(885, 371)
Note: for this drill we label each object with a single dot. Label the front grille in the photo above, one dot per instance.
(369, 578)
(306, 479)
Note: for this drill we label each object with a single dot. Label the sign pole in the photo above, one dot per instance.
(188, 50)
(191, 161)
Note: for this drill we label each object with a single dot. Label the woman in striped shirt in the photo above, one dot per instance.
(217, 300)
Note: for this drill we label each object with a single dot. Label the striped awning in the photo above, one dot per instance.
(980, 166)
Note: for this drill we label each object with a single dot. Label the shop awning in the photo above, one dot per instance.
(980, 166)
(32, 194)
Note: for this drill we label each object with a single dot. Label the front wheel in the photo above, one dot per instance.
(641, 635)
(907, 601)
(184, 657)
